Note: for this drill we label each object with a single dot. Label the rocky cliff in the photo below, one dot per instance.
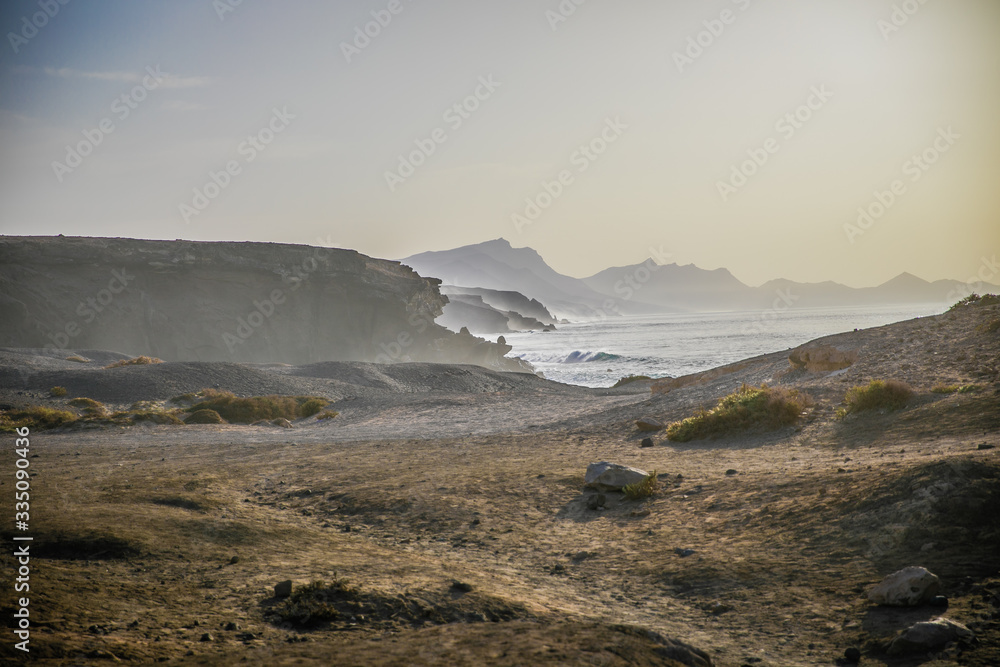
(244, 302)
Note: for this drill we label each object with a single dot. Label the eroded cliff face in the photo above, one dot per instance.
(243, 302)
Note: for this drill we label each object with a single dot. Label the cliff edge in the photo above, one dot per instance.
(226, 301)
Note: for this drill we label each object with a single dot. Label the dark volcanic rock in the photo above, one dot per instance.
(283, 589)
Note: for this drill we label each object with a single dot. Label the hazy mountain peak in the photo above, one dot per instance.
(906, 279)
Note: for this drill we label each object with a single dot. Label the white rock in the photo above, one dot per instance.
(929, 635)
(612, 476)
(906, 588)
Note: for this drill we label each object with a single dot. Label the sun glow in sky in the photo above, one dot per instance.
(848, 141)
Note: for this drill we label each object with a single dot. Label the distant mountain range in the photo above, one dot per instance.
(495, 265)
(494, 276)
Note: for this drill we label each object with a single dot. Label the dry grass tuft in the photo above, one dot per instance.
(35, 417)
(90, 407)
(137, 361)
(154, 416)
(256, 408)
(56, 392)
(956, 388)
(313, 603)
(643, 489)
(876, 395)
(204, 417)
(748, 408)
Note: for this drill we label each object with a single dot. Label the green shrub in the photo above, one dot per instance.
(876, 395)
(56, 392)
(629, 379)
(748, 408)
(642, 489)
(137, 361)
(256, 408)
(35, 417)
(327, 414)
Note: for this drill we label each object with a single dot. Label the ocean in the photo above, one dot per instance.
(597, 354)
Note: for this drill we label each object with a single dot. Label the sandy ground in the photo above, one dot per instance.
(436, 475)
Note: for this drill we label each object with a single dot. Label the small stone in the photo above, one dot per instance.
(234, 560)
(684, 553)
(910, 586)
(461, 586)
(596, 501)
(283, 589)
(717, 608)
(232, 627)
(731, 472)
(207, 637)
(852, 655)
(984, 447)
(938, 601)
(647, 424)
(646, 442)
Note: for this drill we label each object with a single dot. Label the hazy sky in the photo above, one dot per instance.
(113, 113)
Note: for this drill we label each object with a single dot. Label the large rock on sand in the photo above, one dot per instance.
(907, 588)
(606, 476)
(929, 635)
(820, 358)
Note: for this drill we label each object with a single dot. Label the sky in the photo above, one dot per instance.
(846, 140)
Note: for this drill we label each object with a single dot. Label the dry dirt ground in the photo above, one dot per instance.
(459, 518)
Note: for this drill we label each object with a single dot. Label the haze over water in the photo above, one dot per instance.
(597, 354)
